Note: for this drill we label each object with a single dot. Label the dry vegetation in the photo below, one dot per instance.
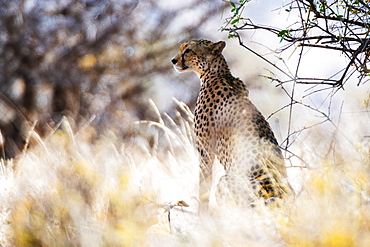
(70, 191)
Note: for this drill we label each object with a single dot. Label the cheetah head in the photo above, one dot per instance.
(197, 55)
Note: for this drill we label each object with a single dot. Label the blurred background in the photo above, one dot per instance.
(95, 62)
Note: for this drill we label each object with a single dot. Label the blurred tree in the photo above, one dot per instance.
(86, 59)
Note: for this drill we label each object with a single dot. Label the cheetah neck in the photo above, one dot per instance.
(218, 68)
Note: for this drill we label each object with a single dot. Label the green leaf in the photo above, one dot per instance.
(235, 21)
(232, 4)
(283, 33)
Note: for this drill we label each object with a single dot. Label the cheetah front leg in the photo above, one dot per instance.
(206, 160)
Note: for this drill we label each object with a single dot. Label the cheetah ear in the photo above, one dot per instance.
(218, 47)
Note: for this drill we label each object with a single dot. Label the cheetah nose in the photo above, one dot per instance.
(174, 61)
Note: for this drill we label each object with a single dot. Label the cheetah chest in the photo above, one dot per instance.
(218, 115)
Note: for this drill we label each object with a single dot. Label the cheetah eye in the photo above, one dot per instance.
(186, 51)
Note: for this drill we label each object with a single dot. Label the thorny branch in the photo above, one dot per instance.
(339, 25)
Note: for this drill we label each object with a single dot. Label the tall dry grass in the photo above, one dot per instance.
(72, 189)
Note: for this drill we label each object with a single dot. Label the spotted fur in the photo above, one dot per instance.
(229, 127)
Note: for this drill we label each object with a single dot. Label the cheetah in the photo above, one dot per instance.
(230, 128)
